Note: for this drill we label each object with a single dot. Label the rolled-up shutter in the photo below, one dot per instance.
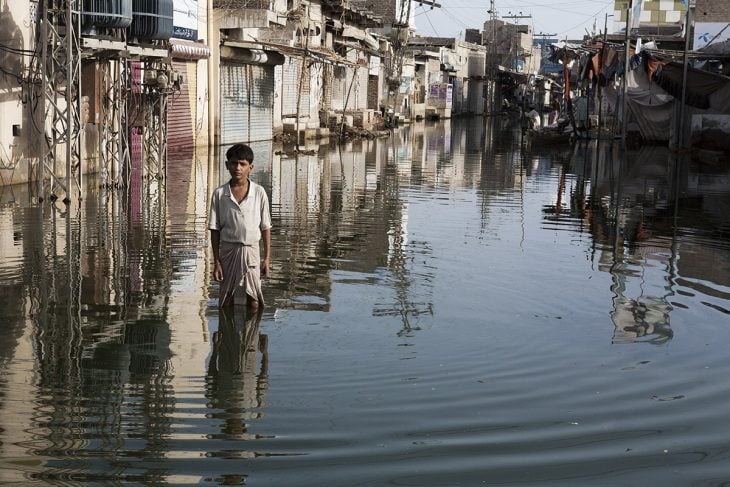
(181, 110)
(234, 104)
(247, 102)
(261, 88)
(293, 82)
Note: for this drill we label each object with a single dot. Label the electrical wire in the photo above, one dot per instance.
(432, 27)
(15, 50)
(590, 17)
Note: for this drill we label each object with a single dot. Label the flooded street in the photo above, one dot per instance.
(449, 306)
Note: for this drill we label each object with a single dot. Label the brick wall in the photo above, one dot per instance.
(473, 35)
(384, 8)
(712, 11)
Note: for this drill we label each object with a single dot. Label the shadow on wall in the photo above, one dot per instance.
(11, 56)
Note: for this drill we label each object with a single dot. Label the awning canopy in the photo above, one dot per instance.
(183, 49)
(360, 35)
(247, 53)
(700, 84)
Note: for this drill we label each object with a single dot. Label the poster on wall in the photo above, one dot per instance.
(405, 85)
(374, 69)
(185, 19)
(710, 32)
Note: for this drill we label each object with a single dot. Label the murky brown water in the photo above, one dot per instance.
(452, 306)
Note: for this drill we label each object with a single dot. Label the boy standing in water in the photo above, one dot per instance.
(239, 219)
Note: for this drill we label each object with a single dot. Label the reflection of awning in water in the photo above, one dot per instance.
(646, 319)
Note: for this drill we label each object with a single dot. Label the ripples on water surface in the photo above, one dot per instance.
(443, 311)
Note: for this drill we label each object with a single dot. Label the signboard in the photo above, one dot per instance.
(185, 19)
(705, 32)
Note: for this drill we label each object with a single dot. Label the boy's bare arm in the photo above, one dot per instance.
(215, 240)
(266, 237)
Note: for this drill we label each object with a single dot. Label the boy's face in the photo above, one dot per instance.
(239, 169)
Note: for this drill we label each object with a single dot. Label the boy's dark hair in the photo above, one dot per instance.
(239, 152)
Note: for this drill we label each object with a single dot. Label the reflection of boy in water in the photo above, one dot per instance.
(234, 385)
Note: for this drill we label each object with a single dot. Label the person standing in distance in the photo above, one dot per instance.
(238, 221)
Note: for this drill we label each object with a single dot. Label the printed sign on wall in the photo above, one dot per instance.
(710, 32)
(185, 19)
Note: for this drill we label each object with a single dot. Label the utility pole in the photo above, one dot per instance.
(624, 101)
(600, 87)
(520, 16)
(60, 66)
(514, 17)
(685, 67)
(400, 33)
(492, 86)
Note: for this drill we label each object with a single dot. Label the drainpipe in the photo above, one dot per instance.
(214, 56)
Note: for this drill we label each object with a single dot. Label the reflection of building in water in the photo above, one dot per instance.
(326, 204)
(341, 210)
(430, 154)
(17, 352)
(237, 376)
(405, 304)
(298, 195)
(91, 298)
(186, 202)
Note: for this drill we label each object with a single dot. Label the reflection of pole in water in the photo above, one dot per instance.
(404, 307)
(56, 314)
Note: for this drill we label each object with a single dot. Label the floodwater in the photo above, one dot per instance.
(452, 306)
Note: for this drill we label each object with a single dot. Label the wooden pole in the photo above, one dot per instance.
(627, 58)
(683, 101)
(600, 87)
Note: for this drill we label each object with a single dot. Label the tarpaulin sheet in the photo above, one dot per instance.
(654, 113)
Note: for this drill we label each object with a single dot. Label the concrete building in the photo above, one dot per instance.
(102, 130)
(398, 26)
(512, 46)
(274, 65)
(457, 86)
